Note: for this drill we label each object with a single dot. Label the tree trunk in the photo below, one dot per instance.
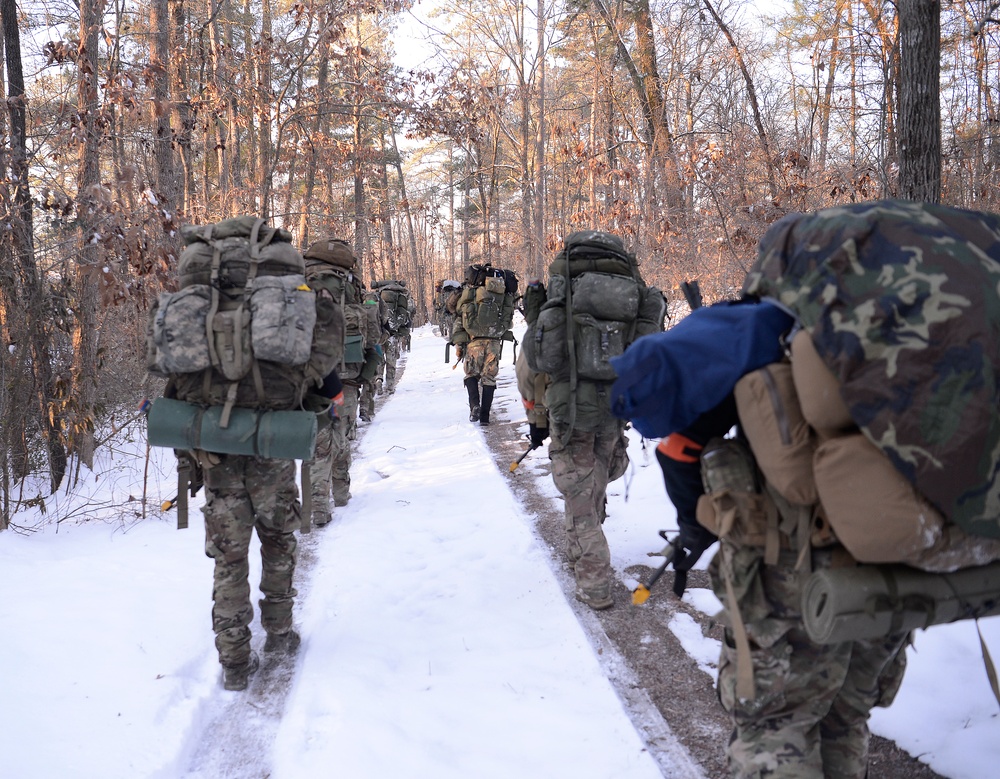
(662, 159)
(181, 104)
(166, 174)
(827, 105)
(316, 132)
(536, 259)
(888, 34)
(919, 100)
(80, 433)
(22, 244)
(418, 271)
(265, 97)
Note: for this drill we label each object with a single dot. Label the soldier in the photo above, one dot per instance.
(330, 265)
(393, 347)
(588, 445)
(371, 374)
(243, 494)
(799, 702)
(396, 299)
(484, 315)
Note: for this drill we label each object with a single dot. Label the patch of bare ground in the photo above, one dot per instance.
(661, 683)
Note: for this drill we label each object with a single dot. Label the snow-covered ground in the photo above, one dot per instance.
(437, 641)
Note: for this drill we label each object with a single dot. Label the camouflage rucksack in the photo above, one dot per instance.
(329, 270)
(397, 304)
(243, 283)
(596, 304)
(487, 303)
(902, 301)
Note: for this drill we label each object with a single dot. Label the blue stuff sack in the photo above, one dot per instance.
(667, 380)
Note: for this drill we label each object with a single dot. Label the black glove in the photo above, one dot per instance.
(689, 545)
(538, 434)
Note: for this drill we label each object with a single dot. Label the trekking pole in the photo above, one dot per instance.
(517, 462)
(641, 593)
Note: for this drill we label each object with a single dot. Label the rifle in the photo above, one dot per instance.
(692, 294)
(447, 353)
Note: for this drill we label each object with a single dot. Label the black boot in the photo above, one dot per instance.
(484, 409)
(472, 385)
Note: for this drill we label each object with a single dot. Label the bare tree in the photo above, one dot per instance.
(919, 100)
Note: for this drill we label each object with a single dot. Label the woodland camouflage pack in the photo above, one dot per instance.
(902, 301)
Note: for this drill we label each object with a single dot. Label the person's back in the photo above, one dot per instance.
(596, 304)
(245, 342)
(330, 269)
(815, 492)
(484, 315)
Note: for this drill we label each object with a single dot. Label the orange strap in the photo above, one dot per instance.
(528, 404)
(677, 447)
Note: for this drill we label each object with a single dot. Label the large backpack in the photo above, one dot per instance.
(397, 305)
(902, 301)
(596, 304)
(331, 274)
(487, 303)
(244, 329)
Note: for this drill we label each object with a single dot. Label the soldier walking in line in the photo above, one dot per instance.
(595, 292)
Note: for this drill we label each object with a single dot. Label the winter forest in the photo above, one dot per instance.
(464, 133)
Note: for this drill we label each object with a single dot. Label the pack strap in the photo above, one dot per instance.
(213, 309)
(803, 535)
(746, 690)
(306, 479)
(571, 346)
(183, 484)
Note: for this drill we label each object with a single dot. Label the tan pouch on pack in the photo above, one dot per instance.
(875, 512)
(779, 436)
(818, 389)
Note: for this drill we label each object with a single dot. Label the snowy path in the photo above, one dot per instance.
(438, 642)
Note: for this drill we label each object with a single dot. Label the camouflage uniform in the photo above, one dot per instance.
(809, 718)
(346, 427)
(580, 470)
(392, 350)
(243, 494)
(482, 360)
(330, 468)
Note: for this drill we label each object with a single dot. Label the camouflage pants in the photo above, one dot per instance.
(392, 349)
(339, 480)
(482, 360)
(243, 494)
(366, 403)
(809, 719)
(329, 470)
(580, 473)
(349, 411)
